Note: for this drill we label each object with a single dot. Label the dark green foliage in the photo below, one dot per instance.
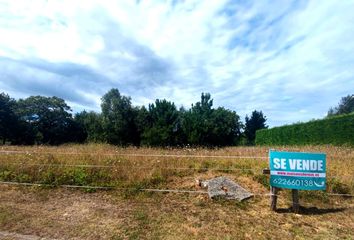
(335, 130)
(345, 106)
(162, 124)
(8, 119)
(118, 119)
(141, 120)
(336, 186)
(48, 118)
(205, 126)
(226, 127)
(196, 122)
(252, 124)
(91, 122)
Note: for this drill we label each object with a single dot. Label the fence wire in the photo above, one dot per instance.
(9, 152)
(143, 189)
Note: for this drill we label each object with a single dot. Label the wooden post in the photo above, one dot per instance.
(273, 198)
(295, 195)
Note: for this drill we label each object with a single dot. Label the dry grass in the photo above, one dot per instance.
(75, 214)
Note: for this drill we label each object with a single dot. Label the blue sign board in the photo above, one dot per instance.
(297, 170)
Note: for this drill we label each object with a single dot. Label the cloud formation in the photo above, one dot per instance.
(290, 59)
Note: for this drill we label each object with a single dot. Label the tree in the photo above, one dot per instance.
(226, 127)
(118, 118)
(345, 106)
(141, 121)
(205, 126)
(91, 122)
(256, 122)
(8, 119)
(163, 124)
(50, 119)
(196, 122)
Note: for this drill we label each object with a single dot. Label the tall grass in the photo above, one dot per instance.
(148, 167)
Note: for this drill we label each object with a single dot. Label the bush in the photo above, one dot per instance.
(335, 186)
(335, 130)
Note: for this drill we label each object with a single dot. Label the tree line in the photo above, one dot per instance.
(48, 120)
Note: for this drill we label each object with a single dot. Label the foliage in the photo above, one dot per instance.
(91, 122)
(196, 122)
(205, 126)
(336, 130)
(118, 118)
(256, 122)
(336, 186)
(162, 124)
(345, 106)
(8, 118)
(49, 120)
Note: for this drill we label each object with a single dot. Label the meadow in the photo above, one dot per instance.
(125, 210)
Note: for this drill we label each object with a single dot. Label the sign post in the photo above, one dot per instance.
(296, 171)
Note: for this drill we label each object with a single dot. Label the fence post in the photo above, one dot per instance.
(273, 198)
(295, 195)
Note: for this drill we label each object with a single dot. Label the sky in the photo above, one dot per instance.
(293, 60)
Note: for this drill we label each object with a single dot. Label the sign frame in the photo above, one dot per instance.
(297, 170)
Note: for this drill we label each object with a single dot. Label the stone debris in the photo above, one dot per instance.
(225, 188)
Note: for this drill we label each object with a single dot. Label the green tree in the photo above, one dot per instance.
(141, 120)
(345, 106)
(49, 118)
(163, 124)
(205, 126)
(226, 128)
(255, 122)
(8, 119)
(91, 122)
(118, 118)
(196, 122)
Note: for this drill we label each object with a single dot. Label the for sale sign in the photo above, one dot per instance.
(297, 170)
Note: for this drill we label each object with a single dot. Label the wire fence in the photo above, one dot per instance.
(145, 189)
(231, 169)
(137, 155)
(117, 154)
(7, 152)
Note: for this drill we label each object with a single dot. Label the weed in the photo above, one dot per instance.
(156, 179)
(141, 216)
(6, 175)
(262, 179)
(48, 177)
(90, 190)
(247, 172)
(335, 186)
(313, 195)
(76, 176)
(24, 178)
(204, 166)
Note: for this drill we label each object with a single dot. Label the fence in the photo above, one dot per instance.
(163, 156)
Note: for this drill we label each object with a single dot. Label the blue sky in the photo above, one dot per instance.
(291, 59)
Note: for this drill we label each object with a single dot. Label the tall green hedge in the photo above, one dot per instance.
(337, 130)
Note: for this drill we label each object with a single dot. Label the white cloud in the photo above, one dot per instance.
(293, 60)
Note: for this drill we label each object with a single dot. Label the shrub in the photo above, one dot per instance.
(335, 130)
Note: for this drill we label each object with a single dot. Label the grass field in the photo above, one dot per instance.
(128, 213)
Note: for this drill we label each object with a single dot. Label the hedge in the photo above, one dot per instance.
(338, 130)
